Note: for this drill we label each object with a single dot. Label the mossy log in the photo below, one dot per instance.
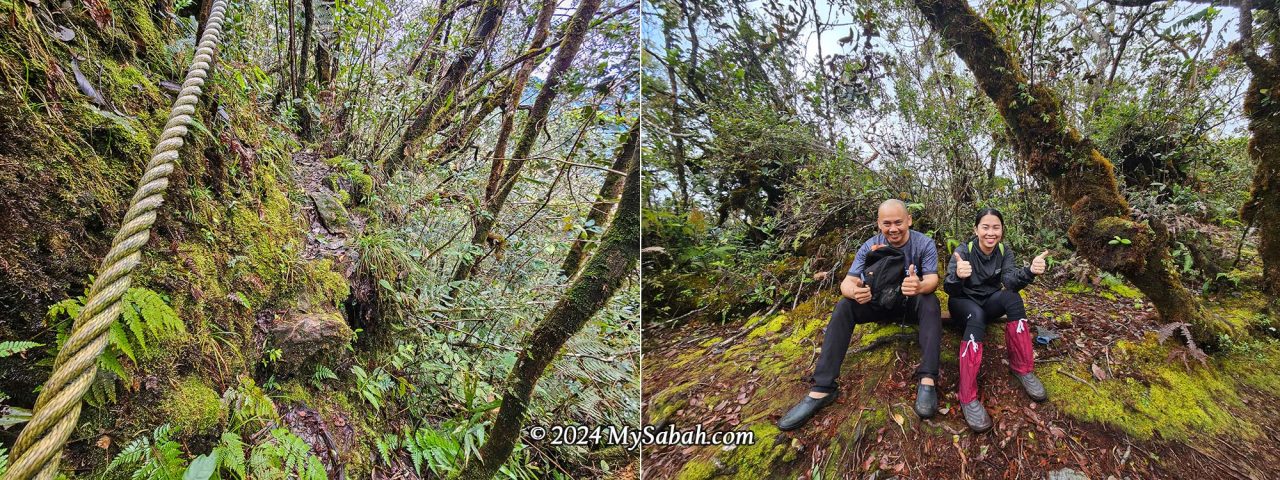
(1080, 177)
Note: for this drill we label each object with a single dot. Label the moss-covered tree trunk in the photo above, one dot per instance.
(1262, 107)
(300, 83)
(603, 273)
(605, 200)
(574, 34)
(1080, 177)
(444, 96)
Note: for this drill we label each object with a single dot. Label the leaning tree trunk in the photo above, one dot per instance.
(457, 139)
(444, 95)
(1080, 177)
(603, 273)
(605, 200)
(1262, 107)
(574, 34)
(499, 154)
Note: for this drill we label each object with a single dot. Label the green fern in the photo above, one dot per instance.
(372, 387)
(285, 455)
(145, 316)
(386, 444)
(11, 347)
(251, 408)
(231, 456)
(321, 374)
(445, 450)
(103, 389)
(156, 458)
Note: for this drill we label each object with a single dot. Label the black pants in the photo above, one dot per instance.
(976, 313)
(835, 343)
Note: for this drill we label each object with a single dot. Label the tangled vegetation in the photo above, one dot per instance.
(296, 313)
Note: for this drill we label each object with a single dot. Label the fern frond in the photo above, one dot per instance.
(16, 346)
(69, 307)
(132, 454)
(231, 454)
(120, 339)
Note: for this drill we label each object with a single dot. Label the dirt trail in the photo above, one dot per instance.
(743, 377)
(311, 174)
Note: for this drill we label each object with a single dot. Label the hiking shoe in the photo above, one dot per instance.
(1031, 383)
(803, 411)
(976, 416)
(926, 400)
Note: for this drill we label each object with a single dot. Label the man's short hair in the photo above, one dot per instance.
(895, 203)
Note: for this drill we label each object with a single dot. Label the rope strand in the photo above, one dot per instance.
(38, 449)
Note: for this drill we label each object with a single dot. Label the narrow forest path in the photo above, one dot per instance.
(333, 229)
(1155, 413)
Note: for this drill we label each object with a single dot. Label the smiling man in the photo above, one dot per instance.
(872, 293)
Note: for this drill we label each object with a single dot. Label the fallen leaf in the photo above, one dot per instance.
(897, 418)
(1098, 372)
(65, 34)
(100, 12)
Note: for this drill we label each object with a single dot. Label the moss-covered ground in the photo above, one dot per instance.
(1154, 412)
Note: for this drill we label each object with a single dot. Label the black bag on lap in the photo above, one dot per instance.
(886, 268)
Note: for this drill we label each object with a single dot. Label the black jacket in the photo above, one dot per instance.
(990, 272)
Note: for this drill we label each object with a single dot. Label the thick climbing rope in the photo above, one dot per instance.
(57, 410)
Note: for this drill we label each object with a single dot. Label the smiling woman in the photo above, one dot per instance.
(1112, 152)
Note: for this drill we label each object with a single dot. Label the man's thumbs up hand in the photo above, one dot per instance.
(1038, 264)
(911, 284)
(963, 267)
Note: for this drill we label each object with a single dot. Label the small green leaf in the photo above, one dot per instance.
(202, 467)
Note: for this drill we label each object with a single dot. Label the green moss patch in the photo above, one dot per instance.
(193, 408)
(1158, 397)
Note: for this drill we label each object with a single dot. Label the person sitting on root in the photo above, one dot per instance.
(982, 284)
(897, 252)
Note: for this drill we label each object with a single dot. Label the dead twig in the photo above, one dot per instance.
(1078, 379)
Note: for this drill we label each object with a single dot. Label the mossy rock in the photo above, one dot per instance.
(350, 179)
(306, 337)
(193, 408)
(332, 214)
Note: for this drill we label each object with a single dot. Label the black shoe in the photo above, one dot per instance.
(803, 411)
(926, 400)
(1031, 383)
(976, 416)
